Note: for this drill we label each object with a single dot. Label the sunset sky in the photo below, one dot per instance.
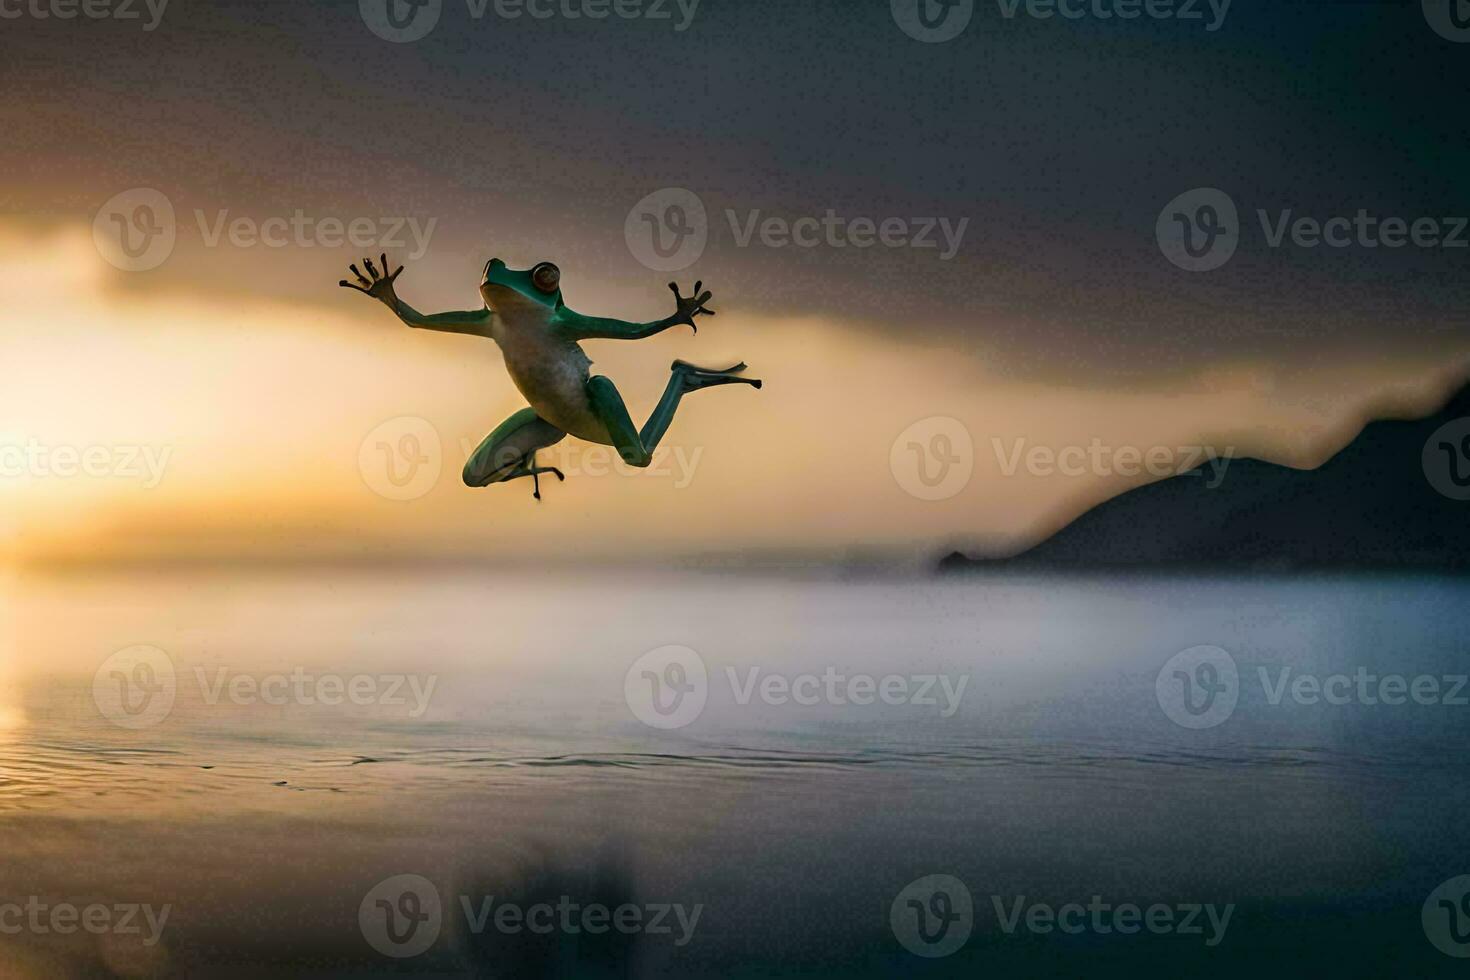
(254, 382)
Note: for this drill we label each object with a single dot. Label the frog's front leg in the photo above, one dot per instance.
(686, 308)
(380, 288)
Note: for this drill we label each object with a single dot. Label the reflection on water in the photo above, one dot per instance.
(322, 736)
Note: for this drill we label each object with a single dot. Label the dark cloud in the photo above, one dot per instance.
(1058, 140)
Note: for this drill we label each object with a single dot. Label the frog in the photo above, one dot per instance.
(540, 338)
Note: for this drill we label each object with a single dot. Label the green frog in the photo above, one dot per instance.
(540, 337)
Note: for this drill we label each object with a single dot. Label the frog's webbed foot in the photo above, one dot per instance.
(686, 366)
(692, 377)
(529, 468)
(380, 286)
(536, 472)
(686, 308)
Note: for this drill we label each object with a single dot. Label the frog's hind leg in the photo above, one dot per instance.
(509, 452)
(636, 446)
(687, 377)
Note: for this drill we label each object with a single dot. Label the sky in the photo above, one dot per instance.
(1023, 294)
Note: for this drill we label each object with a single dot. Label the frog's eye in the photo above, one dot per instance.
(546, 277)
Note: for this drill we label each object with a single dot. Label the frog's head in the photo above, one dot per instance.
(506, 289)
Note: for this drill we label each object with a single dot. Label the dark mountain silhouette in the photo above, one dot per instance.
(1371, 506)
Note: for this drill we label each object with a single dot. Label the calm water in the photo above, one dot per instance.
(493, 749)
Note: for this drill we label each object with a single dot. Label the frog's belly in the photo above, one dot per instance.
(554, 382)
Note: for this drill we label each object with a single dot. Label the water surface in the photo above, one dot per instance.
(524, 775)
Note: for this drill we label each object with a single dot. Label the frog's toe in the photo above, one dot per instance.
(695, 380)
